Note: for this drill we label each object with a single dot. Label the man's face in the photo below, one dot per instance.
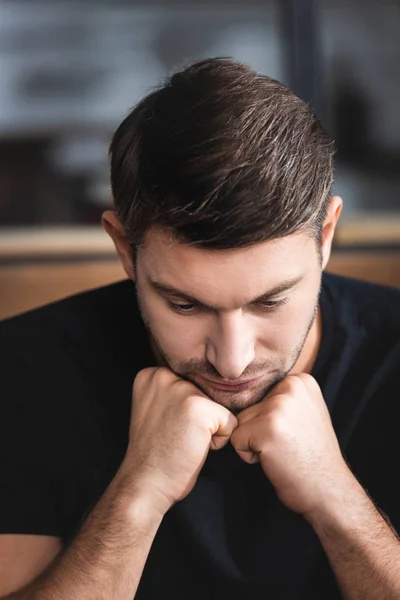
(233, 322)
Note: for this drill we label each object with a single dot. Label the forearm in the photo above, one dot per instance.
(363, 550)
(107, 557)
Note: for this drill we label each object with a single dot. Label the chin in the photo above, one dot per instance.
(237, 401)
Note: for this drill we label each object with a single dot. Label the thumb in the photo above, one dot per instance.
(226, 424)
(248, 456)
(244, 445)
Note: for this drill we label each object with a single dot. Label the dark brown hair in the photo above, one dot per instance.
(222, 157)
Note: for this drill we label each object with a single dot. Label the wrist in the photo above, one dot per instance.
(340, 492)
(138, 494)
(338, 506)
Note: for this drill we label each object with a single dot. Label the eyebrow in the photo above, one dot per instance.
(167, 290)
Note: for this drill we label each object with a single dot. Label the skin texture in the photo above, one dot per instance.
(173, 427)
(228, 336)
(291, 434)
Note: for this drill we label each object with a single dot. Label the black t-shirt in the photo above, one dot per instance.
(66, 383)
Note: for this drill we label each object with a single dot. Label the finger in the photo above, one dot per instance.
(248, 414)
(249, 457)
(309, 381)
(243, 441)
(313, 391)
(260, 409)
(219, 441)
(144, 379)
(224, 424)
(285, 386)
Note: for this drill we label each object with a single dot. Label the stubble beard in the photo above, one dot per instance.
(233, 401)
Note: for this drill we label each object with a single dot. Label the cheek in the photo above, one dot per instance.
(179, 336)
(275, 335)
(285, 330)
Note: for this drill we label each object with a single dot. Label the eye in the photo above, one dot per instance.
(191, 308)
(182, 308)
(272, 304)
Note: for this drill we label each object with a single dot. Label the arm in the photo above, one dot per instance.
(173, 427)
(107, 557)
(291, 434)
(23, 557)
(363, 550)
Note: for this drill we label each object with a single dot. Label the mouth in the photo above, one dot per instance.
(239, 386)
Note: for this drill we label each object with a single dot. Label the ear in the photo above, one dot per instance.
(328, 229)
(116, 231)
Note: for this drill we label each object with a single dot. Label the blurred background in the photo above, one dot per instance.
(71, 70)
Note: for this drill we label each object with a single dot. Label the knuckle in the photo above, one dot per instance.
(140, 378)
(276, 422)
(145, 374)
(194, 404)
(162, 374)
(143, 379)
(295, 381)
(308, 380)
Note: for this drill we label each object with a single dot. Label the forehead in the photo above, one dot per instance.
(232, 273)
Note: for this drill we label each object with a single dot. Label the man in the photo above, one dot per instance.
(265, 395)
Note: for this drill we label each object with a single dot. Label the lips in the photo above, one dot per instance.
(236, 387)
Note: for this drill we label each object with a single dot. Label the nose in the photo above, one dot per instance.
(231, 347)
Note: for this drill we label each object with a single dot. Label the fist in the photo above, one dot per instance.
(290, 432)
(173, 427)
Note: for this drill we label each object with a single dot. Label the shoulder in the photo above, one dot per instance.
(373, 306)
(367, 320)
(361, 290)
(68, 349)
(61, 376)
(71, 327)
(87, 306)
